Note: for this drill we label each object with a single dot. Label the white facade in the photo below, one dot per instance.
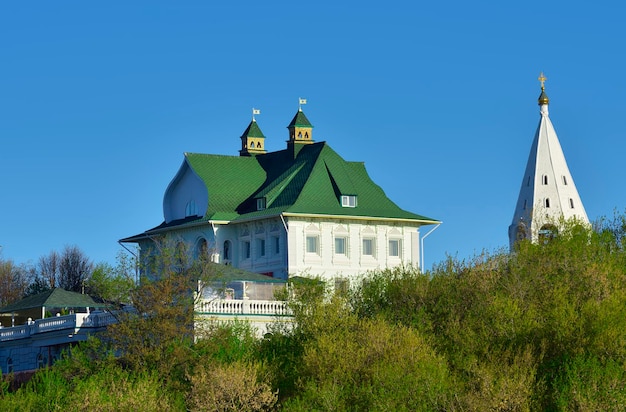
(299, 245)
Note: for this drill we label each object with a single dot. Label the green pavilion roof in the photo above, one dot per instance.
(54, 298)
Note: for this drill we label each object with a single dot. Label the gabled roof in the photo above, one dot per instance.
(55, 298)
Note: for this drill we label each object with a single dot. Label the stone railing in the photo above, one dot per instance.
(243, 307)
(75, 322)
(17, 332)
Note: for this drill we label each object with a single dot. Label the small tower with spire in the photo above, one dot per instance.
(252, 139)
(548, 193)
(300, 130)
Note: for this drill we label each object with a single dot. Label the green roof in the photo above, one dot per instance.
(300, 120)
(312, 183)
(307, 181)
(229, 273)
(253, 130)
(54, 298)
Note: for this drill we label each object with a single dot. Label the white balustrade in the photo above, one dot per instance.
(243, 307)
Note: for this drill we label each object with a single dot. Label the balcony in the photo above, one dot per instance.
(247, 307)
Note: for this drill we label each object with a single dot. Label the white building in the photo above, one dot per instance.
(548, 194)
(301, 210)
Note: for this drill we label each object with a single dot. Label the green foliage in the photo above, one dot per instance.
(235, 386)
(587, 384)
(226, 343)
(109, 388)
(538, 329)
(113, 284)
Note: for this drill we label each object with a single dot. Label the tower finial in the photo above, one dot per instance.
(301, 101)
(542, 79)
(543, 97)
(255, 111)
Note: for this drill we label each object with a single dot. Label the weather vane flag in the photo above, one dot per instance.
(301, 102)
(255, 111)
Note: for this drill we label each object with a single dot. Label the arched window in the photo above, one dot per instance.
(258, 145)
(191, 209)
(202, 249)
(306, 135)
(227, 250)
(40, 361)
(547, 202)
(544, 179)
(252, 145)
(547, 233)
(299, 135)
(520, 233)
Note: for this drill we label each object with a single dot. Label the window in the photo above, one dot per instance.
(394, 247)
(246, 249)
(525, 201)
(342, 286)
(528, 182)
(547, 202)
(544, 179)
(260, 203)
(547, 233)
(348, 201)
(571, 203)
(340, 245)
(260, 245)
(190, 209)
(565, 180)
(276, 242)
(202, 249)
(40, 361)
(312, 244)
(368, 247)
(227, 250)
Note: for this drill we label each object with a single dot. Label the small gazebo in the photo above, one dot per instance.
(54, 302)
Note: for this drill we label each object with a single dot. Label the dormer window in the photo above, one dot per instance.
(348, 201)
(260, 203)
(191, 209)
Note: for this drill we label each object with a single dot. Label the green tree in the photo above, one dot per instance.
(113, 283)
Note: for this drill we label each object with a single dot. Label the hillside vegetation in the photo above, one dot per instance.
(542, 328)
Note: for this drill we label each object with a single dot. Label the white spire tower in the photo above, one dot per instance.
(548, 193)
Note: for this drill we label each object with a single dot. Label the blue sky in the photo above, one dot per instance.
(99, 100)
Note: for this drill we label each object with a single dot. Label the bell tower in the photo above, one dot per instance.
(548, 193)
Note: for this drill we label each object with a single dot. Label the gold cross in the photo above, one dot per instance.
(542, 79)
